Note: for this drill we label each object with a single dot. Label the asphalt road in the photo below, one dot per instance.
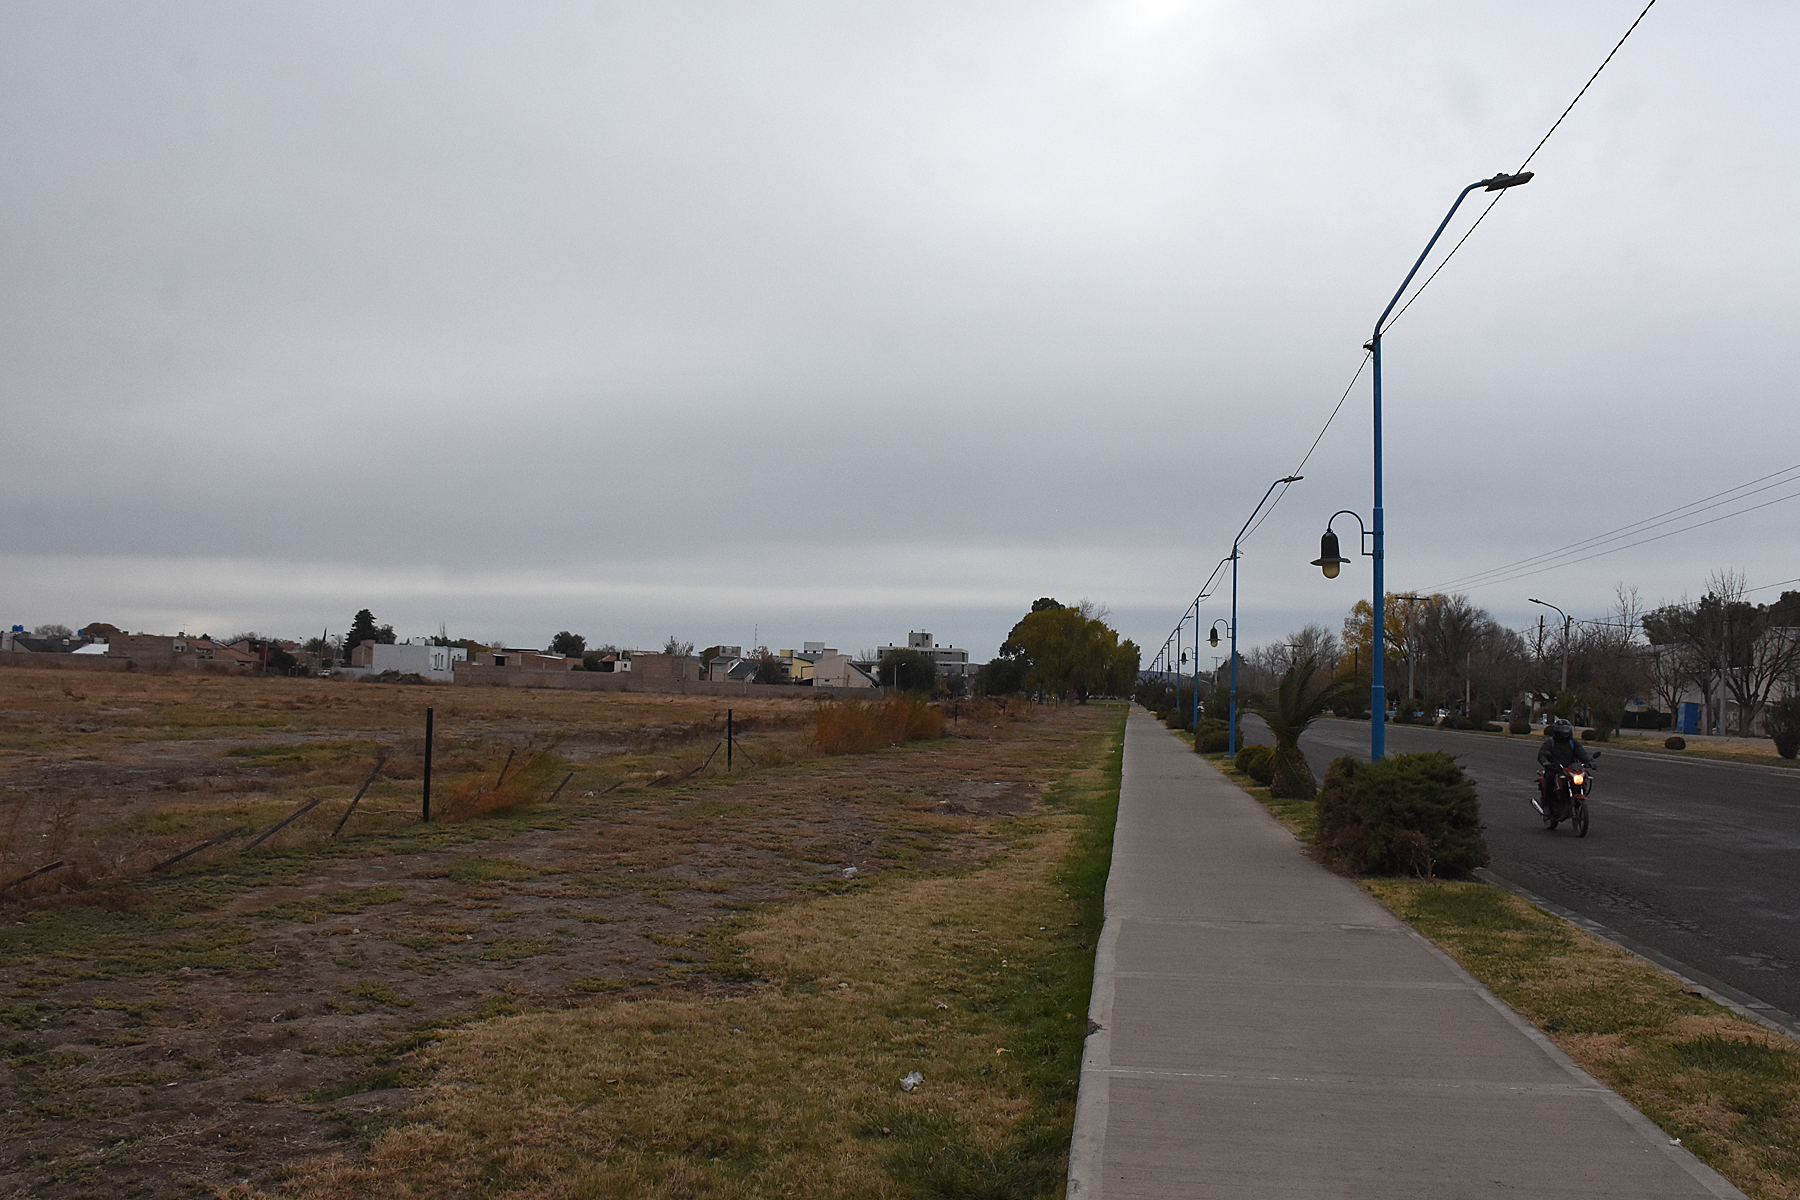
(1689, 860)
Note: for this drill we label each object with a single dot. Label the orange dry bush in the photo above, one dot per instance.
(853, 727)
(477, 795)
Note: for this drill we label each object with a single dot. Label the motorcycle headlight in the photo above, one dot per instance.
(1576, 776)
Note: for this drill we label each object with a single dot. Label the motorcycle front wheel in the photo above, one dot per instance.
(1579, 821)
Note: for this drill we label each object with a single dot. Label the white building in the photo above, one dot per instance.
(832, 669)
(950, 660)
(412, 658)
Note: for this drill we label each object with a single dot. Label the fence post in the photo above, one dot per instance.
(728, 741)
(427, 813)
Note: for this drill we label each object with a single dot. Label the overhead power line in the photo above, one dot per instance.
(1363, 365)
(1534, 153)
(1598, 545)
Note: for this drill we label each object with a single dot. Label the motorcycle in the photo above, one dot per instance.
(1568, 797)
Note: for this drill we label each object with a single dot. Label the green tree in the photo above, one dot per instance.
(1303, 693)
(908, 670)
(569, 645)
(768, 666)
(1073, 652)
(1005, 673)
(363, 629)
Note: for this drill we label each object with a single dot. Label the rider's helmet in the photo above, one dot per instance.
(1562, 731)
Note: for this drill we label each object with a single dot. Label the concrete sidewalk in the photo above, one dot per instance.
(1266, 1029)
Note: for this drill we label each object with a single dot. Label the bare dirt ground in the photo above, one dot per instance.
(213, 1024)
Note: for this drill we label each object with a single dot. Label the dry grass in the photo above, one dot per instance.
(856, 727)
(278, 987)
(127, 770)
(791, 1086)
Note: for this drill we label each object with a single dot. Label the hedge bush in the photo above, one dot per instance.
(1675, 743)
(1258, 762)
(1783, 721)
(1213, 737)
(1415, 813)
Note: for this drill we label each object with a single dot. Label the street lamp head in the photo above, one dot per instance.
(1330, 559)
(1501, 182)
(1212, 636)
(1293, 479)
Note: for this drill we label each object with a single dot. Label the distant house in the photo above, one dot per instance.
(730, 668)
(20, 642)
(408, 658)
(515, 658)
(654, 668)
(832, 669)
(151, 651)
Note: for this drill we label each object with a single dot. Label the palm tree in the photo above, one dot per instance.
(1289, 710)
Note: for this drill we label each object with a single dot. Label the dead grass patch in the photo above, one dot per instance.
(856, 727)
(791, 1084)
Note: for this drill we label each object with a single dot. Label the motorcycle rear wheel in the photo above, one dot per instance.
(1579, 821)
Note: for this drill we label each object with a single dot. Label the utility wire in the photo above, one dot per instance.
(1765, 587)
(1534, 153)
(1360, 367)
(1657, 538)
(1555, 125)
(1732, 495)
(1411, 300)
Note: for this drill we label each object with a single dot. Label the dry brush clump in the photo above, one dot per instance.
(855, 727)
(507, 783)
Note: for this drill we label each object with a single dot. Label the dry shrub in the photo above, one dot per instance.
(526, 780)
(853, 727)
(990, 708)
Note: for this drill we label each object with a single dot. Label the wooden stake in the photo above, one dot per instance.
(354, 800)
(234, 831)
(32, 875)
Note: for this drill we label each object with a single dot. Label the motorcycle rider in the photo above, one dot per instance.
(1560, 749)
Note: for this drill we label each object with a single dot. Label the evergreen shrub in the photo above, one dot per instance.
(1414, 812)
(1258, 762)
(1213, 737)
(1783, 721)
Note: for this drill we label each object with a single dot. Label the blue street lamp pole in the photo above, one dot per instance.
(1231, 736)
(1377, 531)
(1196, 667)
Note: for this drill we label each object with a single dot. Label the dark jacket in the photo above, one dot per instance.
(1563, 753)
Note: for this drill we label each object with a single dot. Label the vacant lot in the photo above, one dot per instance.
(270, 1017)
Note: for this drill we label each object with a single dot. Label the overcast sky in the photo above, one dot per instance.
(779, 322)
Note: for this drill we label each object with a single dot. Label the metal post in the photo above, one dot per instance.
(426, 816)
(728, 727)
(1378, 692)
(1232, 739)
(1196, 669)
(1231, 734)
(1378, 640)
(1566, 623)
